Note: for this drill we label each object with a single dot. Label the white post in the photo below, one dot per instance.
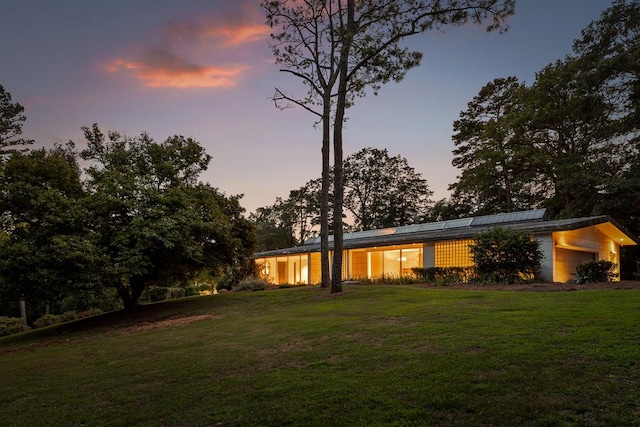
(23, 310)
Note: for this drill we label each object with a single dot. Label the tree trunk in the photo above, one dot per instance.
(125, 296)
(324, 193)
(338, 181)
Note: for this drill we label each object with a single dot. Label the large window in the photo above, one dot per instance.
(453, 254)
(292, 269)
(385, 261)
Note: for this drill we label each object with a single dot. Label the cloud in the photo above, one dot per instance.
(159, 68)
(208, 51)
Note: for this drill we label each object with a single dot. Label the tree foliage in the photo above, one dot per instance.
(568, 142)
(488, 151)
(502, 255)
(136, 216)
(47, 248)
(156, 224)
(383, 191)
(11, 120)
(291, 221)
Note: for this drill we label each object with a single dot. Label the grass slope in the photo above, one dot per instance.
(372, 356)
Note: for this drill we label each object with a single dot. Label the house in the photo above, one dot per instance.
(395, 251)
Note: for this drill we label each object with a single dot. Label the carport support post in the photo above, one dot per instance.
(23, 310)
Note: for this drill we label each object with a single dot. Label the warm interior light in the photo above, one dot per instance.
(267, 268)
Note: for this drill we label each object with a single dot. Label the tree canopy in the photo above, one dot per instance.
(11, 120)
(48, 248)
(568, 140)
(156, 223)
(134, 217)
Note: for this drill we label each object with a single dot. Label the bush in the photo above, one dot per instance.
(47, 319)
(162, 293)
(502, 255)
(389, 280)
(443, 275)
(251, 283)
(11, 325)
(53, 319)
(596, 271)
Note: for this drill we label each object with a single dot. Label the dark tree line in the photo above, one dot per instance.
(135, 216)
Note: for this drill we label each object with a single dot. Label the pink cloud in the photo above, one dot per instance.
(213, 50)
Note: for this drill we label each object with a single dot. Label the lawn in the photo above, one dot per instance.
(374, 355)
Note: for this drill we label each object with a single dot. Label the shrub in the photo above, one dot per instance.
(390, 279)
(53, 319)
(46, 320)
(596, 271)
(162, 293)
(11, 325)
(443, 275)
(226, 283)
(502, 255)
(251, 283)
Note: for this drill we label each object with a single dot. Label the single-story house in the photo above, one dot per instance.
(395, 251)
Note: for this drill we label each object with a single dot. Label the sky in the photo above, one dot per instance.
(203, 69)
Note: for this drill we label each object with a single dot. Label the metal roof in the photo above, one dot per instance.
(534, 221)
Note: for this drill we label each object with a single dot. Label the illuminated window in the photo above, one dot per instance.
(453, 254)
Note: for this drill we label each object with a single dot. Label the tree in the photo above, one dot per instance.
(489, 151)
(609, 55)
(501, 255)
(383, 191)
(291, 221)
(340, 49)
(48, 249)
(11, 120)
(156, 224)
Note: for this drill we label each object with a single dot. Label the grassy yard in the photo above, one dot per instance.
(374, 355)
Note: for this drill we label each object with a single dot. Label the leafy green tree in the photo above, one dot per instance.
(340, 49)
(291, 221)
(502, 255)
(11, 120)
(274, 226)
(383, 191)
(570, 139)
(156, 224)
(567, 144)
(48, 249)
(489, 151)
(609, 55)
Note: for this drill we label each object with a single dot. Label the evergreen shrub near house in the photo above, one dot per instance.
(443, 275)
(596, 271)
(502, 255)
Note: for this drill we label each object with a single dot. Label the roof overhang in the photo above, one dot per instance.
(604, 224)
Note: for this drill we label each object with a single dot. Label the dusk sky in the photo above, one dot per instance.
(203, 69)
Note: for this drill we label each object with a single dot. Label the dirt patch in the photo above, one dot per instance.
(170, 322)
(540, 287)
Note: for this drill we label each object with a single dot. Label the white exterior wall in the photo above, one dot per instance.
(548, 260)
(589, 240)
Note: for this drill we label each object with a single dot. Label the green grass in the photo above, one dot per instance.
(375, 355)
